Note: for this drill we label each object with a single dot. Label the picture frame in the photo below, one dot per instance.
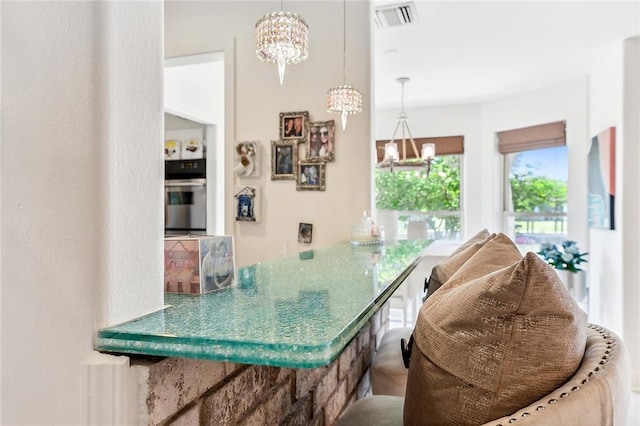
(321, 141)
(192, 149)
(294, 125)
(284, 159)
(172, 149)
(247, 203)
(601, 169)
(246, 161)
(198, 264)
(311, 176)
(305, 233)
(218, 263)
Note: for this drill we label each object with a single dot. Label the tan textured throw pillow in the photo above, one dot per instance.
(493, 339)
(445, 269)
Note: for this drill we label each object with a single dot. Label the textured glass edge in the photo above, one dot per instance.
(274, 355)
(243, 355)
(189, 351)
(270, 354)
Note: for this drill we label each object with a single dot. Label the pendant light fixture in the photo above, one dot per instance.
(282, 38)
(344, 99)
(391, 152)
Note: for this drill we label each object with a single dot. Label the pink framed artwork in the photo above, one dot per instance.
(602, 179)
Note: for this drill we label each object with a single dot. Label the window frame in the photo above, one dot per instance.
(454, 146)
(510, 144)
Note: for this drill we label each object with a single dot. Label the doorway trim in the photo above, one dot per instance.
(221, 178)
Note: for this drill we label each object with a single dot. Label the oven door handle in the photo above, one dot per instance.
(175, 184)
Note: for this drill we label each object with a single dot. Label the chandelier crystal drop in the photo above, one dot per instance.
(344, 100)
(282, 38)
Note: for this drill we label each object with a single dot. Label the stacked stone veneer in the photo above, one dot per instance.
(179, 391)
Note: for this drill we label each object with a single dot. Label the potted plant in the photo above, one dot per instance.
(566, 260)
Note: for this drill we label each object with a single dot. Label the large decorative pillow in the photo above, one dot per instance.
(445, 269)
(500, 334)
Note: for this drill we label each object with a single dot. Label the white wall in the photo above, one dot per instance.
(614, 100)
(631, 206)
(82, 192)
(259, 99)
(566, 101)
(194, 87)
(605, 100)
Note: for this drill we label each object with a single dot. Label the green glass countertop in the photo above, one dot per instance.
(297, 311)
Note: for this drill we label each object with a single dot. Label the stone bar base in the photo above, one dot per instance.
(178, 391)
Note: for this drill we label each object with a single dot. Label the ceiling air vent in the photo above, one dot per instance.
(394, 15)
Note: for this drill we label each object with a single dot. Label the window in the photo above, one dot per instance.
(535, 190)
(423, 206)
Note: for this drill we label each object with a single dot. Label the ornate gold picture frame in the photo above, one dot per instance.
(321, 141)
(311, 176)
(284, 159)
(294, 125)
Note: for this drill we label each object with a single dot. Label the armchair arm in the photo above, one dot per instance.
(597, 394)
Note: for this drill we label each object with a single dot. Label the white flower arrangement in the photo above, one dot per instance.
(566, 259)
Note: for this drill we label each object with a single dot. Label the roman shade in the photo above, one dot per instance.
(534, 137)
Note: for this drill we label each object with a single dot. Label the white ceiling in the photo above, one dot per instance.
(474, 51)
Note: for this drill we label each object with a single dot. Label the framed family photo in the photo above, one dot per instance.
(321, 141)
(284, 159)
(305, 233)
(311, 176)
(293, 125)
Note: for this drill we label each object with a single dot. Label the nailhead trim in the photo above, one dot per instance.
(610, 349)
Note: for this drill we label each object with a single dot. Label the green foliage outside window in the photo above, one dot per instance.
(412, 190)
(531, 193)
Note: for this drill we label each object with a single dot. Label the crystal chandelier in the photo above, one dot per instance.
(391, 153)
(344, 99)
(282, 38)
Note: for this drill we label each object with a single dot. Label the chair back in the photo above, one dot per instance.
(417, 230)
(597, 394)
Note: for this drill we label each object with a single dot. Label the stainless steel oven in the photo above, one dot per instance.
(185, 197)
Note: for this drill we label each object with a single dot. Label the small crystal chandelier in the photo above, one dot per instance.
(282, 38)
(391, 153)
(344, 99)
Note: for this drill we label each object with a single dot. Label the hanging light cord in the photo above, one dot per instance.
(402, 113)
(344, 42)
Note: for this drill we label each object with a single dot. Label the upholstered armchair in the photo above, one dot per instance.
(499, 340)
(596, 395)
